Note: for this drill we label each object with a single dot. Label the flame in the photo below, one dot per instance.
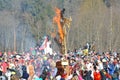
(57, 19)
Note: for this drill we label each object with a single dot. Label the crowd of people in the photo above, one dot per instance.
(80, 66)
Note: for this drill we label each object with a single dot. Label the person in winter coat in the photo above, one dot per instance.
(102, 73)
(25, 74)
(96, 74)
(87, 75)
(111, 68)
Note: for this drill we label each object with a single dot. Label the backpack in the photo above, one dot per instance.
(25, 74)
(24, 68)
(108, 76)
(17, 72)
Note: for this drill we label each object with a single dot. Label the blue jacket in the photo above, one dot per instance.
(111, 68)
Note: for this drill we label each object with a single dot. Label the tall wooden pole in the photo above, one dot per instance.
(14, 40)
(65, 35)
(111, 27)
(62, 23)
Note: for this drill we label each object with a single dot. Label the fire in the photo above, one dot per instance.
(57, 19)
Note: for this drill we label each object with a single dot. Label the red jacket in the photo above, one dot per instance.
(97, 75)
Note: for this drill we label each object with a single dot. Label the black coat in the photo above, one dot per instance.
(103, 77)
(87, 76)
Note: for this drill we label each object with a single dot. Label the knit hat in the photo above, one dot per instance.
(58, 77)
(104, 60)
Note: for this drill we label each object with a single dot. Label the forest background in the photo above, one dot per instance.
(23, 23)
